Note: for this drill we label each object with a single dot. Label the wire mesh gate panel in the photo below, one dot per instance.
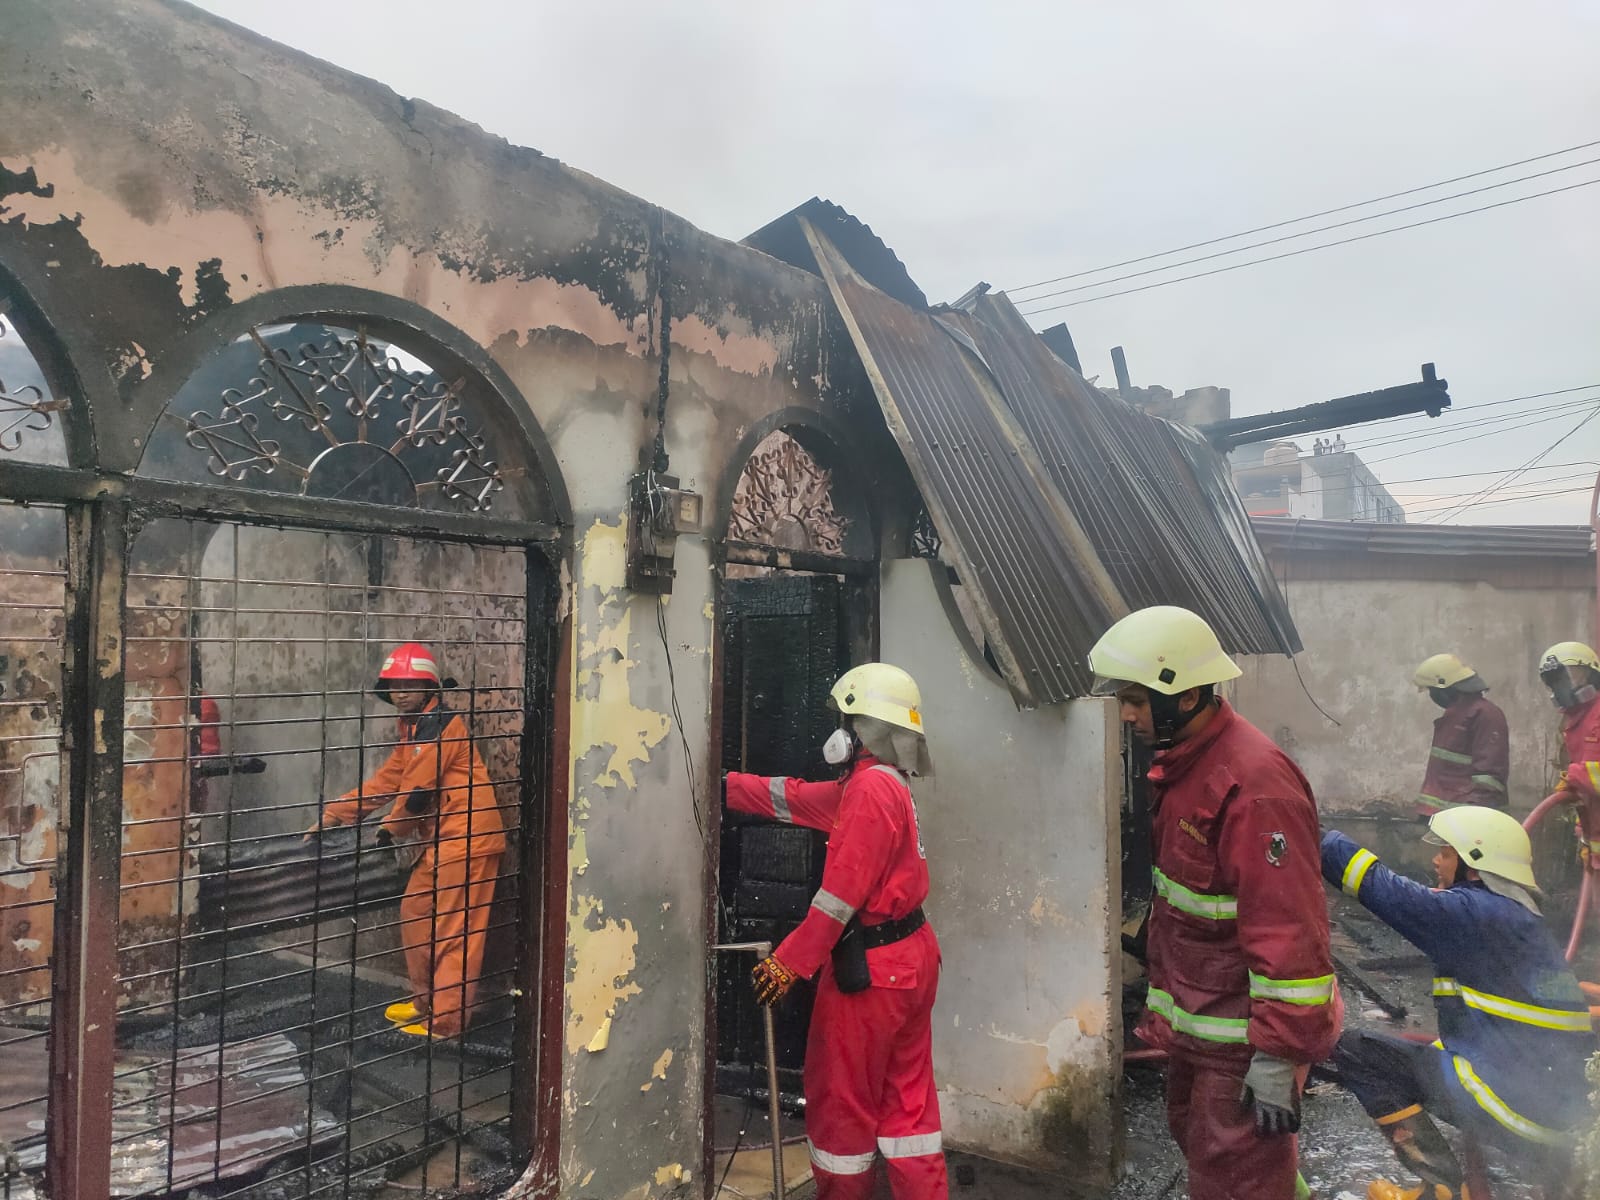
(32, 626)
(257, 956)
(784, 647)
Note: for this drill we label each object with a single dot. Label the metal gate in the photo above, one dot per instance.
(256, 960)
(32, 629)
(784, 645)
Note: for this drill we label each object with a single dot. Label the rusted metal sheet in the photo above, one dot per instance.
(286, 882)
(1043, 595)
(1155, 499)
(180, 1119)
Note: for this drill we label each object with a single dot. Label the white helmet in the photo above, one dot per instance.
(1489, 841)
(1164, 648)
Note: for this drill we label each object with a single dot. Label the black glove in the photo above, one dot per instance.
(1271, 1087)
(384, 837)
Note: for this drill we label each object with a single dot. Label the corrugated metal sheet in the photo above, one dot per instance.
(1155, 498)
(263, 886)
(1043, 597)
(1292, 535)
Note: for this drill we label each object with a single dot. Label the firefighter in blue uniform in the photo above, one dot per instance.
(1514, 1030)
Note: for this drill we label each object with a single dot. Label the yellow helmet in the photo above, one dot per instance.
(1164, 648)
(1568, 654)
(881, 691)
(1487, 839)
(1441, 671)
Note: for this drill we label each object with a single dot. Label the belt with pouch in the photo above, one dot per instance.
(850, 953)
(886, 934)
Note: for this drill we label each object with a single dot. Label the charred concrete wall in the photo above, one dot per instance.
(1364, 637)
(1019, 825)
(167, 181)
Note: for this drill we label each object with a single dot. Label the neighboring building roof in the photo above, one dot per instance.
(1289, 535)
(1060, 507)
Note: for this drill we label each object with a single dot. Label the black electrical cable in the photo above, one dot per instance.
(1292, 237)
(1327, 212)
(1251, 262)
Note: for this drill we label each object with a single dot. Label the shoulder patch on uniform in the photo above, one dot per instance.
(1277, 849)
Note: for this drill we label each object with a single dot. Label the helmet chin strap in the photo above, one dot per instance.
(1168, 717)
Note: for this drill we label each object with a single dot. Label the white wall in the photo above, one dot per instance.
(1363, 638)
(1019, 824)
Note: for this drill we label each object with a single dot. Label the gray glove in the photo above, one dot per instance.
(1269, 1087)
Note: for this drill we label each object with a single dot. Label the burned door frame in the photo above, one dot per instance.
(104, 509)
(828, 441)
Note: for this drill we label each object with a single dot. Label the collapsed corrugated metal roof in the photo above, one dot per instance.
(1155, 498)
(1061, 507)
(1295, 535)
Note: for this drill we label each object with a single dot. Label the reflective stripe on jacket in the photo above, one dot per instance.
(875, 865)
(1470, 759)
(1510, 1010)
(1238, 939)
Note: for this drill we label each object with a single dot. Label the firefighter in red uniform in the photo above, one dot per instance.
(442, 800)
(1571, 671)
(1242, 993)
(1470, 759)
(869, 1054)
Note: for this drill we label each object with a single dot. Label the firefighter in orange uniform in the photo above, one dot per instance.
(1242, 994)
(869, 1054)
(439, 795)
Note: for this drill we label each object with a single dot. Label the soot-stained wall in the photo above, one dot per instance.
(168, 180)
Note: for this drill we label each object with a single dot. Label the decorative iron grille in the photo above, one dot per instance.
(337, 414)
(24, 407)
(785, 498)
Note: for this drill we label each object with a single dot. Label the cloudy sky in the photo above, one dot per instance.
(1016, 143)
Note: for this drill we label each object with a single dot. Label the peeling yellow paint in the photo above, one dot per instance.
(598, 981)
(659, 1071)
(601, 1038)
(709, 612)
(584, 1182)
(672, 1173)
(603, 714)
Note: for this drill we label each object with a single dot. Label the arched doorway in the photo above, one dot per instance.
(798, 606)
(318, 490)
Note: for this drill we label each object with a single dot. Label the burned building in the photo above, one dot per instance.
(295, 369)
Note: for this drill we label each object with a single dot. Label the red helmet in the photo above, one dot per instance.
(411, 663)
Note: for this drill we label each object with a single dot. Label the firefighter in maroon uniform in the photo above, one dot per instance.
(1470, 759)
(1242, 994)
(869, 1055)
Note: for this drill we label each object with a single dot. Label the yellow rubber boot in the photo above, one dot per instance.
(1382, 1189)
(402, 1012)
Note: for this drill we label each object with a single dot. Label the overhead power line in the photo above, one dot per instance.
(1443, 430)
(1361, 237)
(1462, 441)
(1304, 233)
(1429, 514)
(1484, 494)
(1327, 212)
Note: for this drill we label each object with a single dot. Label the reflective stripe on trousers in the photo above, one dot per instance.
(1502, 1112)
(841, 1164)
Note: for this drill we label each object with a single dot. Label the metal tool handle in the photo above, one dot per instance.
(762, 950)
